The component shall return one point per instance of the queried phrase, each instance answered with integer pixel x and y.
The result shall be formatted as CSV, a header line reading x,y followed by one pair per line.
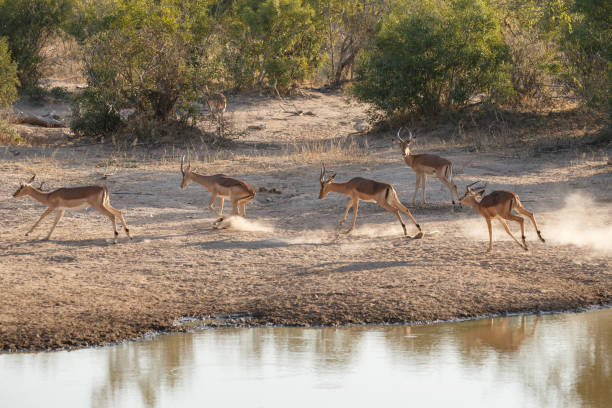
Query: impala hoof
x,y
419,235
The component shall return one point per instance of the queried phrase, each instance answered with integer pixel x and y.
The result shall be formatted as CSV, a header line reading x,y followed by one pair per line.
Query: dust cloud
x,y
238,223
581,222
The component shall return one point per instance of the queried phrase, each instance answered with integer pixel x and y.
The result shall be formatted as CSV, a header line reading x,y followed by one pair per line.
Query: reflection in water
x,y
527,361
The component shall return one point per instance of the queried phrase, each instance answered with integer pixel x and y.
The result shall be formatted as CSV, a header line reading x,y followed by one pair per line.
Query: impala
x,y
499,204
220,186
216,103
366,190
424,164
75,198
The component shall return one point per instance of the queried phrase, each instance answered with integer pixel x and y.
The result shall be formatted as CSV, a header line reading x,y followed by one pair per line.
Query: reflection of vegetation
x,y
147,365
594,378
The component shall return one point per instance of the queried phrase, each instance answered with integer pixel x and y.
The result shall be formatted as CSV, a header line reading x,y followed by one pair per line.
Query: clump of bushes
x,y
8,75
434,60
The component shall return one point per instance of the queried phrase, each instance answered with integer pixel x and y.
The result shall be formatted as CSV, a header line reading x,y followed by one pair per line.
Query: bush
x,y
147,57
28,24
8,76
273,41
434,60
587,44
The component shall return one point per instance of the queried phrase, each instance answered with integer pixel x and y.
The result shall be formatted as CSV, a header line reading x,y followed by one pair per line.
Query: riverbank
x,y
288,263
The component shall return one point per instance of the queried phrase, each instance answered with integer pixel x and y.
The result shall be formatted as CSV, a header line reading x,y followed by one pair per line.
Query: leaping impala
x,y
75,198
499,204
366,190
220,186
424,164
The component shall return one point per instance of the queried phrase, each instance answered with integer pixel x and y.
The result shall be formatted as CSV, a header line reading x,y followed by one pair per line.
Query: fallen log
x,y
23,118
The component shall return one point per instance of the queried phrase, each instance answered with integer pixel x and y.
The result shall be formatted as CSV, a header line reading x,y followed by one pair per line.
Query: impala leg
x,y
449,185
503,223
521,222
104,211
119,214
490,234
355,209
395,211
47,212
59,215
242,205
348,207
406,211
416,188
221,200
529,214
235,207
424,187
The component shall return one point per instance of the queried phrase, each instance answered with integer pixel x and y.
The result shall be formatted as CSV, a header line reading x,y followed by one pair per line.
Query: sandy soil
x,y
288,262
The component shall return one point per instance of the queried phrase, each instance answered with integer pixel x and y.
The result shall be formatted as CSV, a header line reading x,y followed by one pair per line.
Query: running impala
x,y
424,164
366,190
74,198
499,204
223,187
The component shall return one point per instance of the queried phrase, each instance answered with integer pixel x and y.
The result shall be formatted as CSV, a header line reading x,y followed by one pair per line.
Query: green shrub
x,y
8,75
148,57
273,42
28,24
587,45
432,61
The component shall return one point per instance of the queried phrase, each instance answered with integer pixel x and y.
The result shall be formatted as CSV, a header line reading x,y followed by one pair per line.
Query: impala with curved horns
x,y
499,204
74,198
220,186
424,164
366,190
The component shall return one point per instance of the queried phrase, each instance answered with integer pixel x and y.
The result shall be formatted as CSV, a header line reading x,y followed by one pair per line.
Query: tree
x,y
433,60
28,24
8,75
273,42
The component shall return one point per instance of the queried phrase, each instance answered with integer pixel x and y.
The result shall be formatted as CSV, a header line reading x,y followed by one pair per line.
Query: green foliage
x,y
8,75
149,57
587,44
28,24
273,41
434,60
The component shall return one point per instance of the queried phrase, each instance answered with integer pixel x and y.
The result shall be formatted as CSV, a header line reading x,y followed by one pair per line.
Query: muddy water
x,y
522,361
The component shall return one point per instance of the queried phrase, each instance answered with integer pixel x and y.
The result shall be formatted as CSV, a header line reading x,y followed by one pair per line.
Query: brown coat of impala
x,y
366,190
75,198
424,164
223,187
216,103
499,204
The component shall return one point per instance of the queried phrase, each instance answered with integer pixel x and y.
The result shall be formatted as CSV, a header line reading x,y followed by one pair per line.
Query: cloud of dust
x,y
310,237
580,222
238,223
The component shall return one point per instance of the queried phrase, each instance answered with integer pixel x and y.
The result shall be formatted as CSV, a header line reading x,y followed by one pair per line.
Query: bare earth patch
x,y
289,262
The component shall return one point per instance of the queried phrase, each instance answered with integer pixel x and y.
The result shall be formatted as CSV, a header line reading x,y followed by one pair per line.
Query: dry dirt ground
x,y
289,262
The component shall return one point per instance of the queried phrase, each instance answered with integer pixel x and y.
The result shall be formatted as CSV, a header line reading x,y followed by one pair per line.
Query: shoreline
x,y
194,329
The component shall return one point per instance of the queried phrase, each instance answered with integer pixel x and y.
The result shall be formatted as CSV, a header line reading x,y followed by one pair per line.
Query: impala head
x,y
23,187
472,194
404,144
186,172
325,183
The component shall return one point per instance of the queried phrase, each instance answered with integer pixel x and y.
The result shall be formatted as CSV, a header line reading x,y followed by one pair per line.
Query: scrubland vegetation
x,y
411,60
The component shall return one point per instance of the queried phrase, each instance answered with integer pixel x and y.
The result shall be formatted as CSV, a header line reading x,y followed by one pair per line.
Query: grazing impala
x,y
424,164
216,103
75,198
366,190
499,204
237,191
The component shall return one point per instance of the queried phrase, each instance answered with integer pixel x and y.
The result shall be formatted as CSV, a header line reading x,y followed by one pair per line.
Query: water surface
x,y
560,360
